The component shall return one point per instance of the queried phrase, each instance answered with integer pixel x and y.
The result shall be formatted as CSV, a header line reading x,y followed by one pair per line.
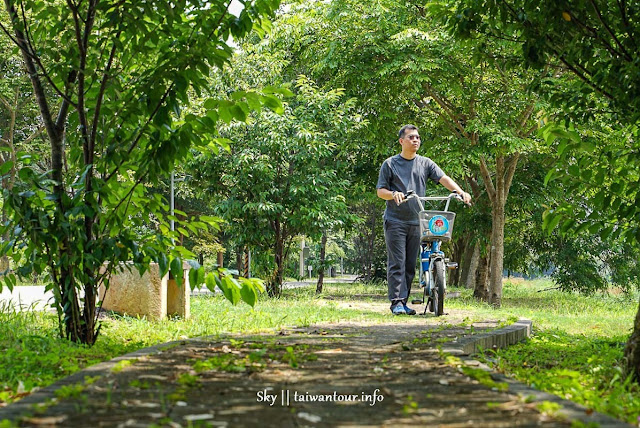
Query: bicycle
x,y
436,227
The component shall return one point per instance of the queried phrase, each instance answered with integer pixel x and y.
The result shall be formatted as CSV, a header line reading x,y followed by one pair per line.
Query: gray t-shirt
x,y
402,175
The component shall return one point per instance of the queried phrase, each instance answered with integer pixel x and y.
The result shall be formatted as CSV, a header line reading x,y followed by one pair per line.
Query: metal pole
x,y
248,263
302,259
172,200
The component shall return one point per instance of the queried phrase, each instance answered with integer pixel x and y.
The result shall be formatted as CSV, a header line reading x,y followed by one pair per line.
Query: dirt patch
x,y
348,374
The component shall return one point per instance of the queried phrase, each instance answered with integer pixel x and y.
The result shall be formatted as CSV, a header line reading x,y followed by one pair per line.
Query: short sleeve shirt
x,y
401,175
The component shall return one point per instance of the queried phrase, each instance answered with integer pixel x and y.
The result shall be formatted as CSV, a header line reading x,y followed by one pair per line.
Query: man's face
x,y
411,141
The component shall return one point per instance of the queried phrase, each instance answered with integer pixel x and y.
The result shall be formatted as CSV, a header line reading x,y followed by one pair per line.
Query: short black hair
x,y
404,129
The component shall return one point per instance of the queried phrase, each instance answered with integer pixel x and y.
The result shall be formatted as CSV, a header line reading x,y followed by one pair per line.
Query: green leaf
x,y
201,276
551,175
162,264
587,146
193,278
238,113
277,90
273,103
248,293
210,281
6,167
176,270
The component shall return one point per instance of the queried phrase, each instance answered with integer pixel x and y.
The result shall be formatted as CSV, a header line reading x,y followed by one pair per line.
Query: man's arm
x,y
447,182
388,195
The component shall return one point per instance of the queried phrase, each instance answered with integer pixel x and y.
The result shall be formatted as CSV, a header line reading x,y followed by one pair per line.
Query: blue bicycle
x,y
436,227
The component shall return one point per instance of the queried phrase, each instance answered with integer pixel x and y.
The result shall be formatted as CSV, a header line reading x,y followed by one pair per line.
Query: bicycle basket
x,y
436,225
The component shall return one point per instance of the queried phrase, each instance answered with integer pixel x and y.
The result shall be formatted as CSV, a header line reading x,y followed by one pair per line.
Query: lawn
x,y
575,352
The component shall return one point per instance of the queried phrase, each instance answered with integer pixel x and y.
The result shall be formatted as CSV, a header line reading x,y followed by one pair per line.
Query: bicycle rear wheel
x,y
438,291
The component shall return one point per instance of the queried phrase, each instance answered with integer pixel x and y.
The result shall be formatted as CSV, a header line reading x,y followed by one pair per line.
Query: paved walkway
x,y
26,297
351,374
34,296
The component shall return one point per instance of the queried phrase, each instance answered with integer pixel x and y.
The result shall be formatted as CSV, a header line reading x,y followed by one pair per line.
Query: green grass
x,y
577,347
575,351
33,356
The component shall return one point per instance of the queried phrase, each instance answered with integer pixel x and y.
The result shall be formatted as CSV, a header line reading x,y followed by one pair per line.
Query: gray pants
x,y
403,246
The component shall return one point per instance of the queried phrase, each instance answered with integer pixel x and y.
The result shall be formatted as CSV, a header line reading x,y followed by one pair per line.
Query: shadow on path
x,y
326,375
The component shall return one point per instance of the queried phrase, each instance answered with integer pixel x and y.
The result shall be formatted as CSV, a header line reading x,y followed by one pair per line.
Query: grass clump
x,y
577,346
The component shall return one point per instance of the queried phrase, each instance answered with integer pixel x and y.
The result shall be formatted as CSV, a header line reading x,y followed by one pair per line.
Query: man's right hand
x,y
398,197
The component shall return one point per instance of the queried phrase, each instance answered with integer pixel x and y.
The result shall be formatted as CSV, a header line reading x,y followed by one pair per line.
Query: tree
x,y
110,81
281,178
476,118
599,51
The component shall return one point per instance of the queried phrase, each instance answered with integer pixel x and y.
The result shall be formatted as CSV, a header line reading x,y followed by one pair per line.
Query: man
x,y
399,174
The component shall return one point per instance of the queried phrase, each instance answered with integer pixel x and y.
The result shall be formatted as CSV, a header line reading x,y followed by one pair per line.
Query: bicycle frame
x,y
430,251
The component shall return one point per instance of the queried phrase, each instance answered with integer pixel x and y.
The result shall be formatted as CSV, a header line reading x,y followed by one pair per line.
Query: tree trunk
x,y
465,262
372,239
239,252
498,194
632,351
470,277
459,249
497,255
323,251
220,259
481,290
274,284
4,260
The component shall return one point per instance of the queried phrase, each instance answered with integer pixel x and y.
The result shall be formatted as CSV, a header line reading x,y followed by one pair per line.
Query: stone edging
x,y
510,335
500,338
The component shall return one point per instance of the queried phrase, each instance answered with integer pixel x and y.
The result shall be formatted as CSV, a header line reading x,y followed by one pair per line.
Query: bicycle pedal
x,y
417,302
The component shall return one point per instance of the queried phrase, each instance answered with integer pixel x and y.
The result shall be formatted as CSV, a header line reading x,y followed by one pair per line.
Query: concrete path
x,y
332,375
26,297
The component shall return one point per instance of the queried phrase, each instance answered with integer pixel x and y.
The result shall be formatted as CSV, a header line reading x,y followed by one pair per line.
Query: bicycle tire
x,y
438,291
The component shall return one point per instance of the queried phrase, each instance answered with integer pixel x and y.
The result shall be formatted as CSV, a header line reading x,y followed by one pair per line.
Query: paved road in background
x,y
25,297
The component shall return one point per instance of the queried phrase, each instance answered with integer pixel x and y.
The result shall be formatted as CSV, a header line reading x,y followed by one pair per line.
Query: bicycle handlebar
x,y
411,195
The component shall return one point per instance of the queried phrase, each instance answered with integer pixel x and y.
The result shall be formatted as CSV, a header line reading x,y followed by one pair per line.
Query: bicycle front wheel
x,y
438,292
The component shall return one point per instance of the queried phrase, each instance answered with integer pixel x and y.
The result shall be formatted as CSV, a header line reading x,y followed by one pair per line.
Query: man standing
x,y
399,174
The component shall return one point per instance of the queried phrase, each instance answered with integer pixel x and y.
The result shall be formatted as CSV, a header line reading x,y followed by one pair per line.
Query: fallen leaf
x,y
47,420
153,377
199,417
329,351
309,417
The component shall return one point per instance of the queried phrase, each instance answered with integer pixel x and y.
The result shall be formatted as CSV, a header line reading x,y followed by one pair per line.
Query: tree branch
x,y
613,36
124,198
38,89
500,179
511,170
33,136
32,52
443,103
625,21
141,132
581,76
103,86
486,177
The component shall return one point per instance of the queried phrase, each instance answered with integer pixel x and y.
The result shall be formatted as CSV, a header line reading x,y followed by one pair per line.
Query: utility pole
x,y
302,259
